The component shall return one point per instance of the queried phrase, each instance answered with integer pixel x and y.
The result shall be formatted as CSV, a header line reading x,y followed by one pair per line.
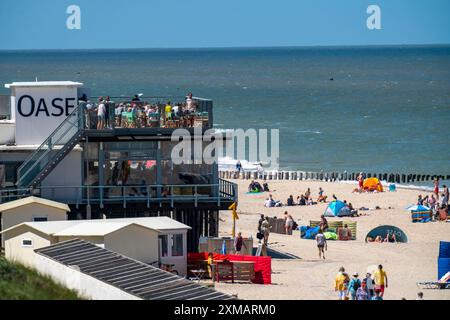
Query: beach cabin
x,y
31,209
150,240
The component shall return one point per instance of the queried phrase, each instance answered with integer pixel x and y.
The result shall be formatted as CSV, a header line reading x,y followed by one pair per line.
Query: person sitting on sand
x,y
307,193
345,233
323,223
310,201
272,203
390,238
290,201
301,201
255,186
266,187
353,211
321,197
378,239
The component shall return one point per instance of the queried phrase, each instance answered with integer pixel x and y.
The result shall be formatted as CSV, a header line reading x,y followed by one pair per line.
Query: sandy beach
x,y
311,278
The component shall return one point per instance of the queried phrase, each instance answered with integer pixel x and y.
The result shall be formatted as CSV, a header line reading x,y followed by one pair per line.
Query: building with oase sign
x,y
109,158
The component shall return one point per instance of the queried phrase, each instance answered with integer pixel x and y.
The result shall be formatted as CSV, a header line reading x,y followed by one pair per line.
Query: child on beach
x,y
321,244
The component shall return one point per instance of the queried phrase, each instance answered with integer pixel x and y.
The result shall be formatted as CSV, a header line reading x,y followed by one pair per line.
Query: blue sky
x,y
32,24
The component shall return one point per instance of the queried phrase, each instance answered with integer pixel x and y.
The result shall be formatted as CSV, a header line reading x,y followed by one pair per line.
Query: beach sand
x,y
312,278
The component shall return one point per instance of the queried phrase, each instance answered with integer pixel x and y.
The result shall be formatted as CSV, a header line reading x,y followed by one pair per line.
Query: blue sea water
x,y
387,109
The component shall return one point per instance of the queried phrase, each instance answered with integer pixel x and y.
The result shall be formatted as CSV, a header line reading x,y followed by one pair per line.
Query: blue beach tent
x,y
418,208
337,209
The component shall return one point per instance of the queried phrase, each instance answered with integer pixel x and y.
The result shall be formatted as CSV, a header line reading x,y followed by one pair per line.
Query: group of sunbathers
x,y
255,186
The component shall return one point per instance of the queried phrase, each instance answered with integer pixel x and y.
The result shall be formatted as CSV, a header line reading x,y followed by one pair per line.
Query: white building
x,y
150,240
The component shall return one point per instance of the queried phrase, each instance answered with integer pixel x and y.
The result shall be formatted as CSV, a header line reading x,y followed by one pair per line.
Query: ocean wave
x,y
308,131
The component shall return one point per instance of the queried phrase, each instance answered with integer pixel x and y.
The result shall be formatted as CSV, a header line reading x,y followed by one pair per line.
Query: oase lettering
x,y
59,106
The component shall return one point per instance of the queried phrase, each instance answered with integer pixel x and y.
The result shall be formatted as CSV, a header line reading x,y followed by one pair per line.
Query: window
x,y
163,247
39,219
177,245
27,243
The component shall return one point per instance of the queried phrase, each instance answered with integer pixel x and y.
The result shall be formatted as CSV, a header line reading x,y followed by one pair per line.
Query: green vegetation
x,y
18,282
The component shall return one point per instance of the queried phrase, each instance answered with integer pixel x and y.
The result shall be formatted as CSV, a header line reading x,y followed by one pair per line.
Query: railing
x,y
37,161
149,113
215,193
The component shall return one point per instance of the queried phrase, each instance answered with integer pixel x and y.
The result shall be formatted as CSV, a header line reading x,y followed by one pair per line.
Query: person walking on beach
x,y
239,243
340,283
377,295
381,280
239,167
353,286
289,223
436,188
360,179
265,229
361,293
321,244
370,285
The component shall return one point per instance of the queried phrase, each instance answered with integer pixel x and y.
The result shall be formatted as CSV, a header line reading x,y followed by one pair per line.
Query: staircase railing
x,y
40,158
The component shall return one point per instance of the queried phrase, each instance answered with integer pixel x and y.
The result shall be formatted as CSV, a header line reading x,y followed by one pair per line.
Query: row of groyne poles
x,y
328,176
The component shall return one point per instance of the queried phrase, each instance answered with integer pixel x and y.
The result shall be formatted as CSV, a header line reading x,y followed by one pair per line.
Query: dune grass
x,y
18,282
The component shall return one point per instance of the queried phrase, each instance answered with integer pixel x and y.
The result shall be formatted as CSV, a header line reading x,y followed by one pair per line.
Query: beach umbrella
x,y
417,208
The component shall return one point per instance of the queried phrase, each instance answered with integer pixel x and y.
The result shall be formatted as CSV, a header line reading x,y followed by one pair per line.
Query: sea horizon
x,y
338,108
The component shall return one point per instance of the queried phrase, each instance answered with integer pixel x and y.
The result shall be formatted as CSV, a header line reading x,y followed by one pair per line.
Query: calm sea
x,y
387,109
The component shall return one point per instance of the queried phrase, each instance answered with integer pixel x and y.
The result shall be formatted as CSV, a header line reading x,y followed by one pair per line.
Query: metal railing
x,y
157,193
149,113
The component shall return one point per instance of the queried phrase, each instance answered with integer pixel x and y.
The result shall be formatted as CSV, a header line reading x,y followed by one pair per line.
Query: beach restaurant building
x,y
52,145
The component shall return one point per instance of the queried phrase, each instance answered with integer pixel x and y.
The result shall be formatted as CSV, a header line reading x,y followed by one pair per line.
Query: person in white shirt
x,y
101,114
190,107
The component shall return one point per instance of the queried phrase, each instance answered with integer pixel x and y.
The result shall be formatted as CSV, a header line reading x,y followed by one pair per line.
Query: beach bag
x,y
294,225
259,236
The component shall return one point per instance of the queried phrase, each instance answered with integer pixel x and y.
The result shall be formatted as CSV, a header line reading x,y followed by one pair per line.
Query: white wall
x,y
135,242
34,129
66,173
7,131
84,284
26,213
14,251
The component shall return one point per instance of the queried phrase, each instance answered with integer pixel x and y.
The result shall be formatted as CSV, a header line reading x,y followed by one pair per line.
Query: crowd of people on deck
x,y
137,113
371,287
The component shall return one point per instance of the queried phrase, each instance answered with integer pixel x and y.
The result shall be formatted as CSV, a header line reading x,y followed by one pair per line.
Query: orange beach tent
x,y
372,184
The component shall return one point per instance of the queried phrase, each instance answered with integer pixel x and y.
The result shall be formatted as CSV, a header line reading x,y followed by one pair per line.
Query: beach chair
x,y
442,283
